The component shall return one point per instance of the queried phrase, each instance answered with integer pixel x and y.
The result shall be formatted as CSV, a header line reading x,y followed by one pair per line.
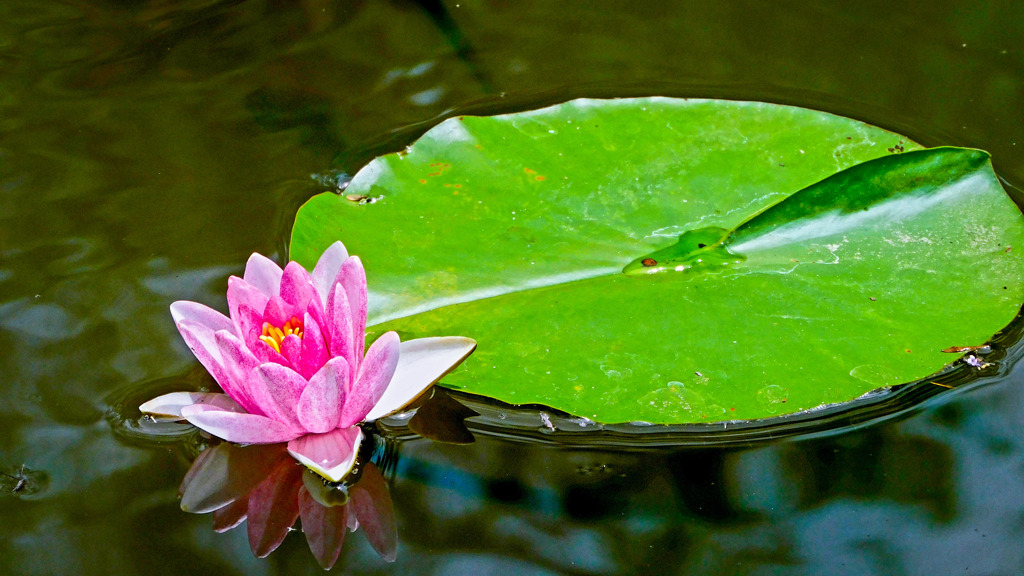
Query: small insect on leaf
x,y
648,262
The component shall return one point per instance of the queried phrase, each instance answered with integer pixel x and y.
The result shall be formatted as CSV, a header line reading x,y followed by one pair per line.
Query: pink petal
x,y
273,509
327,268
291,349
200,340
314,349
266,354
315,310
276,390
319,407
263,274
235,427
195,312
330,455
277,311
324,527
238,366
339,315
421,363
205,345
250,325
296,286
374,376
371,503
242,294
353,278
170,405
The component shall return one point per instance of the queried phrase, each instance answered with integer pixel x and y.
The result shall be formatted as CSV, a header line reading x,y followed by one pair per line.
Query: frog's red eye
x,y
649,262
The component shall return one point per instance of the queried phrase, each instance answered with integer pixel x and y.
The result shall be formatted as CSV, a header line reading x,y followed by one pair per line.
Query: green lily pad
x,y
800,259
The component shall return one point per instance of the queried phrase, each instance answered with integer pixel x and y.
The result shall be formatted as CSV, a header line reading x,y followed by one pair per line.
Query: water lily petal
x,y
277,311
273,509
374,375
314,349
371,504
201,314
297,286
318,304
236,427
250,325
422,362
319,407
168,406
264,274
327,268
276,390
238,364
353,278
330,455
266,354
199,339
241,293
203,343
291,349
339,315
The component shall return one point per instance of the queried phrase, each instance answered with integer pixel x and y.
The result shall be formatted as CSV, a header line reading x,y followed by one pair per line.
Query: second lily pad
x,y
516,230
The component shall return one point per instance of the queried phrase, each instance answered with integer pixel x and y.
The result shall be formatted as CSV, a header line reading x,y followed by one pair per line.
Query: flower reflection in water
x,y
268,490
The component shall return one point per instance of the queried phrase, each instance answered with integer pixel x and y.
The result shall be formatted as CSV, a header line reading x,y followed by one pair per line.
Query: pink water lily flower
x,y
291,361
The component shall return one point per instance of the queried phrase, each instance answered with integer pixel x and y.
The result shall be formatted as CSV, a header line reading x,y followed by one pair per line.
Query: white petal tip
x,y
336,473
186,310
336,250
421,362
168,406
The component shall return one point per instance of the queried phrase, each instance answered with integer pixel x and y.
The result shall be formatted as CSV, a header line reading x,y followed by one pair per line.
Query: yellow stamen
x,y
273,335
273,343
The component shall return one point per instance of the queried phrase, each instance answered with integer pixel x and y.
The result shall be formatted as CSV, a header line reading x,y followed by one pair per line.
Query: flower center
x,y
273,335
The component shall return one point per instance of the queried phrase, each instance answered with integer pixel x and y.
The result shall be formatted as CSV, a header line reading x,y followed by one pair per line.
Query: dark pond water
x,y
147,148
